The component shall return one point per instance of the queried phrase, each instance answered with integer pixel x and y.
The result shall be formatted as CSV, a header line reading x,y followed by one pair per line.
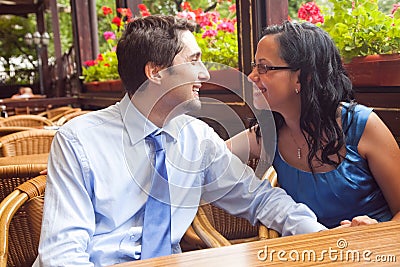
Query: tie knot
x,y
156,138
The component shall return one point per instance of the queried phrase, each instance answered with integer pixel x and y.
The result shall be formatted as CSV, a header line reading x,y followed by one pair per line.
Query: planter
x,y
106,86
375,70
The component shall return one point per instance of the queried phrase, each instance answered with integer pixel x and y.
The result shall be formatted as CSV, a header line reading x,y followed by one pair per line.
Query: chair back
x,y
217,228
27,142
51,112
56,113
64,119
26,121
6,130
20,223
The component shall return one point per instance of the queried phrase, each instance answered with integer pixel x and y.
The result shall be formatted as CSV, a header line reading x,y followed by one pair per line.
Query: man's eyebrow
x,y
195,55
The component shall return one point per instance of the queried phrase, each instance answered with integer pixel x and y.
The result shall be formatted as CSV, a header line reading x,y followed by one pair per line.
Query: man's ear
x,y
152,72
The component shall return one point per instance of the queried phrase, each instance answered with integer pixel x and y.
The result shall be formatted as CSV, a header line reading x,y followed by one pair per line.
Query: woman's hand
x,y
356,221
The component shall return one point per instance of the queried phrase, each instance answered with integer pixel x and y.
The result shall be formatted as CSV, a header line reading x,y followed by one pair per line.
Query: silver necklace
x,y
299,148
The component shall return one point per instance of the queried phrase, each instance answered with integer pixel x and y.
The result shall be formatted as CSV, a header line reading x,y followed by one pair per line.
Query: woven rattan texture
x,y
26,121
27,143
22,247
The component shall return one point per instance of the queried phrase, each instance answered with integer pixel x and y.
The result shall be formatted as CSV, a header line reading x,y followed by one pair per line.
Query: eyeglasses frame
x,y
267,68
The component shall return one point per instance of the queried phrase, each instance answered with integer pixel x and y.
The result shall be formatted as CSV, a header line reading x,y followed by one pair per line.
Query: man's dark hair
x,y
153,39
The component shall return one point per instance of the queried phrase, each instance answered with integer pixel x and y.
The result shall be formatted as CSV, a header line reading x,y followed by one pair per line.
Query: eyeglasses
x,y
262,68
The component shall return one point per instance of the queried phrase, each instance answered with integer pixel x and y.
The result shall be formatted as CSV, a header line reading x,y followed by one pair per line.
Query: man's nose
x,y
204,75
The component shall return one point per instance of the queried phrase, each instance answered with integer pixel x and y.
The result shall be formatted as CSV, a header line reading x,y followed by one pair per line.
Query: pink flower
x,y
232,8
209,33
186,15
226,26
207,19
310,12
395,8
109,35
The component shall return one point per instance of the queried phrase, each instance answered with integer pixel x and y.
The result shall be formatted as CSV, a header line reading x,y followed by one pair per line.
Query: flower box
x,y
374,70
106,86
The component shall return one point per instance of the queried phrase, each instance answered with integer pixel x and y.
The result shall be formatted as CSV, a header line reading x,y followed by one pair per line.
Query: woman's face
x,y
275,89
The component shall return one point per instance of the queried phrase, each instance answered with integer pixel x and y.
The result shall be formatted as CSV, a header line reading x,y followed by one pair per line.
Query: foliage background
x,y
15,54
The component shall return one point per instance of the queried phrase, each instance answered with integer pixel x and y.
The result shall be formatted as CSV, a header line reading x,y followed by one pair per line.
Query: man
x,y
23,92
101,164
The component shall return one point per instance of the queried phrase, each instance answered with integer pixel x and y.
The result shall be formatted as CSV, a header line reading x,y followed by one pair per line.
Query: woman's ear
x,y
152,72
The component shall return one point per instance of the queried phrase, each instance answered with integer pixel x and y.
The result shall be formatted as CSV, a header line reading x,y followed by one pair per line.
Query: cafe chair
x,y
25,159
217,228
64,119
20,223
34,121
56,113
6,130
26,142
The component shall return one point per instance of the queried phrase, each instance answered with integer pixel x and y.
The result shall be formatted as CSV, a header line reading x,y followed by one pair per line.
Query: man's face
x,y
182,81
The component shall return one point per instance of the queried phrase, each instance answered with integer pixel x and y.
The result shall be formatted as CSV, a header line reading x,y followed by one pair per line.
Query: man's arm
x,y
68,217
232,186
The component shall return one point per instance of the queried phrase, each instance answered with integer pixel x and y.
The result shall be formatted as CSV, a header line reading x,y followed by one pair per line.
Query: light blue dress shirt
x,y
99,171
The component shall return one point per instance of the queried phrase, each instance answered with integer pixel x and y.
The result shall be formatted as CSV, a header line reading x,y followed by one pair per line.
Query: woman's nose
x,y
253,76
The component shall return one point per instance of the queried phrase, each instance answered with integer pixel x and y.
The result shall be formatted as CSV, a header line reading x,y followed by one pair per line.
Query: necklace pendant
x,y
299,153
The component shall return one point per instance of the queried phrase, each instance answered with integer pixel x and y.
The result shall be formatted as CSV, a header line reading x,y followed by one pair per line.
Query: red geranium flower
x,y
310,12
117,21
106,10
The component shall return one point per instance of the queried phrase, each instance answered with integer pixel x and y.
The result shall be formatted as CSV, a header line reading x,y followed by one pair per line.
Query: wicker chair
x,y
27,142
6,130
213,227
56,113
70,116
20,223
24,159
26,121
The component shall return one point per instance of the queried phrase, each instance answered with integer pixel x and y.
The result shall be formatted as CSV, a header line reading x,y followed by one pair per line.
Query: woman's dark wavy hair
x,y
324,84
153,39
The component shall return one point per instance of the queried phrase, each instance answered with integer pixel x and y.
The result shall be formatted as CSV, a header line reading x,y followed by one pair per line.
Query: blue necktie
x,y
156,235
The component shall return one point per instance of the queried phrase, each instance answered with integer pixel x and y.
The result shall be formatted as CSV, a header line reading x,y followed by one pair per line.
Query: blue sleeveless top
x,y
348,191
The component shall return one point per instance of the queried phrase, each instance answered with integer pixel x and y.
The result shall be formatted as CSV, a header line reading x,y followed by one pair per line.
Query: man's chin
x,y
193,105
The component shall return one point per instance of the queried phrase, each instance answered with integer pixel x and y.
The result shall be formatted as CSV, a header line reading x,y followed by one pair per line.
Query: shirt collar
x,y
138,126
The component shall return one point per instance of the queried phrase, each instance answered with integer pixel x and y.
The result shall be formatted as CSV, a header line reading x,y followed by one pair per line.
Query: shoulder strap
x,y
354,119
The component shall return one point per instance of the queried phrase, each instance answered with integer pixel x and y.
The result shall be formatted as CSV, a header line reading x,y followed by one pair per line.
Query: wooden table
x,y
24,159
372,245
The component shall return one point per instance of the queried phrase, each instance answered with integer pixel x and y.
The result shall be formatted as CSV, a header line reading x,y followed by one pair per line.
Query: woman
x,y
332,154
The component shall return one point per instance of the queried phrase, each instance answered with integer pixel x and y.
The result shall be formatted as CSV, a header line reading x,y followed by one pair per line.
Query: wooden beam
x,y
39,102
42,53
244,11
276,11
59,79
94,27
82,32
17,10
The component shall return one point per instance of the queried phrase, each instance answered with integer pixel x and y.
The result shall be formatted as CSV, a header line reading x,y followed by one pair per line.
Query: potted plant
x,y
368,39
216,35
101,74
